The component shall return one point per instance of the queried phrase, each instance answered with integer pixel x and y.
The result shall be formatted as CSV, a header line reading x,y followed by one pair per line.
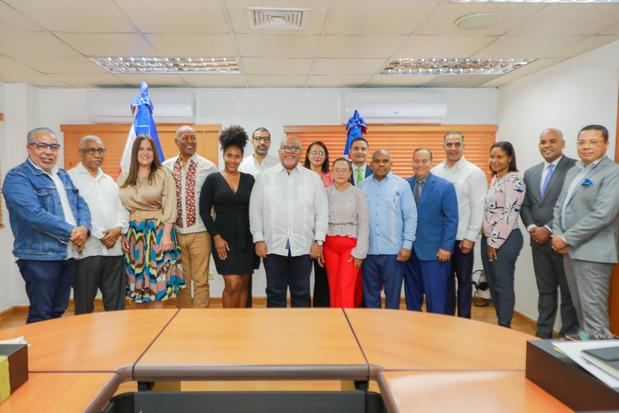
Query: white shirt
x,y
106,210
64,204
250,165
471,186
204,169
354,173
288,208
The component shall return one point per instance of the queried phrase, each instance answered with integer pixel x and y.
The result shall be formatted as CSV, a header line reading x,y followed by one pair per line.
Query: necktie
x,y
418,190
550,168
359,176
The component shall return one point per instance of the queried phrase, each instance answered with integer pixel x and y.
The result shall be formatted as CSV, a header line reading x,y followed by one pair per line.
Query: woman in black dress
x,y
227,193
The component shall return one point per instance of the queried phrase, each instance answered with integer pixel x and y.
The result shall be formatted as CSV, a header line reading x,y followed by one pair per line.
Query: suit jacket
x,y
437,217
592,214
368,172
538,210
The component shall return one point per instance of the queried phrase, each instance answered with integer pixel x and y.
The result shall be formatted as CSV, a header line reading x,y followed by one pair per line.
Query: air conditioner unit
x,y
396,107
114,105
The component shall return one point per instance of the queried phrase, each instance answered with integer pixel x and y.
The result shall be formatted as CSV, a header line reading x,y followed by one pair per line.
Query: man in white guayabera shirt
x,y
288,213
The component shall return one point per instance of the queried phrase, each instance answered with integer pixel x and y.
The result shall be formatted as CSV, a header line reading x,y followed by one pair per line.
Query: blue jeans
x,y
48,285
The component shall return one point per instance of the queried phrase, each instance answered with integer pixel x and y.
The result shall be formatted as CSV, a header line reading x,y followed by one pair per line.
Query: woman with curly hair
x,y
502,240
227,194
152,256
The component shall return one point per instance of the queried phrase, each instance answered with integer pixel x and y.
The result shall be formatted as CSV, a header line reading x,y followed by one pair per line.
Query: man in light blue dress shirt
x,y
393,222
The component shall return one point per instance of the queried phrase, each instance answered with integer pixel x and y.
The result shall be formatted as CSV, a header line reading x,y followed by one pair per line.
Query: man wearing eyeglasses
x,y
50,222
100,265
288,214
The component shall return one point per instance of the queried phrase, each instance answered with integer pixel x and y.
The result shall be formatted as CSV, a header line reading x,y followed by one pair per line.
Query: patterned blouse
x,y
502,208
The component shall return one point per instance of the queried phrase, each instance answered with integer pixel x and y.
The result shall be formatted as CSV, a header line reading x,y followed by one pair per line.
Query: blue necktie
x,y
550,168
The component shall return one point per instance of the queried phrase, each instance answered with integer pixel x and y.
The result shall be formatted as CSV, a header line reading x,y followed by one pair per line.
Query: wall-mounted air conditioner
x,y
396,107
113,105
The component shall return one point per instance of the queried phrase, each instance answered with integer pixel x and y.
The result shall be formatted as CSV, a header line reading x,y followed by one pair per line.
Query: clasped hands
x,y
78,237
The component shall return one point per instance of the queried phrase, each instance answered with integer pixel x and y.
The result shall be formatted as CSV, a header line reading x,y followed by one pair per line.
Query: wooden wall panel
x,y
402,140
115,136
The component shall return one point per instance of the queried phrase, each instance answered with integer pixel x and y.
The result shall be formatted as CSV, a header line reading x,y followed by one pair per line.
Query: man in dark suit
x,y
358,155
586,230
429,269
544,182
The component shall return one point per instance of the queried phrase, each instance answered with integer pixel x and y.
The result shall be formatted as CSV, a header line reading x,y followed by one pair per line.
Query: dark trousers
x,y
429,278
321,287
385,271
285,273
48,286
500,275
462,273
550,277
99,273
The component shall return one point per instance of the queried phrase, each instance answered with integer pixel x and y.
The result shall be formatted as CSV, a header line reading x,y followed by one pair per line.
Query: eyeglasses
x,y
290,148
264,139
317,153
41,146
92,151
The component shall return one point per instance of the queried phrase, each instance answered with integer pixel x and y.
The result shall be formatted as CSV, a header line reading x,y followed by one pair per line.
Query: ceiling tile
x,y
399,80
275,81
10,70
277,46
442,20
526,46
355,17
347,66
215,80
614,29
109,44
95,16
574,19
338,81
13,21
459,81
584,45
80,80
442,46
536,66
178,16
39,44
152,79
190,45
256,66
360,46
65,65
314,15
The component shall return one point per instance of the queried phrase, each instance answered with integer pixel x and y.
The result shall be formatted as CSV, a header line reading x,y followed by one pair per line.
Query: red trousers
x,y
341,272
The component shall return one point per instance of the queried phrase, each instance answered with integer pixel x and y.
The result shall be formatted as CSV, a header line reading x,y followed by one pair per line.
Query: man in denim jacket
x,y
50,223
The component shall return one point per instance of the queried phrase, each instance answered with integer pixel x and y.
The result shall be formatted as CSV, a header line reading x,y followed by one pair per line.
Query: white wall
x,y
568,96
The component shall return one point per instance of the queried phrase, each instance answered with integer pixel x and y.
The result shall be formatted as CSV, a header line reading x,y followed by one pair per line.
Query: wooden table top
x,y
467,392
255,337
62,392
91,342
408,340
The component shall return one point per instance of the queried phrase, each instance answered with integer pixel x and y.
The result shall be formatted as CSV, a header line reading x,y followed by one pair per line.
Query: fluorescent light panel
x,y
169,65
452,66
535,1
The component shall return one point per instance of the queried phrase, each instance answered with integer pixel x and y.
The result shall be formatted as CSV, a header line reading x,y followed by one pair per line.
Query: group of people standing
x,y
359,227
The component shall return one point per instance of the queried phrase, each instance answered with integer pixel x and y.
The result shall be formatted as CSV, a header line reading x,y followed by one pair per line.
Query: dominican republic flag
x,y
143,124
355,128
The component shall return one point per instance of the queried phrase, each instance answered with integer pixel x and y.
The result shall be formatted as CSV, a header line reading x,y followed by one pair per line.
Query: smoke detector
x,y
267,18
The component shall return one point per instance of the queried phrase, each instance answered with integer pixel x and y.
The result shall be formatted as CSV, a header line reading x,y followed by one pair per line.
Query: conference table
x,y
421,362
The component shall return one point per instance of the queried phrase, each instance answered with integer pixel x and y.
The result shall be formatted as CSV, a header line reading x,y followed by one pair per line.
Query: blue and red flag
x,y
355,128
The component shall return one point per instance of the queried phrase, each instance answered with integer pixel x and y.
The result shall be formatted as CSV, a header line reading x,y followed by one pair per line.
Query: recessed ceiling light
x,y
477,21
535,1
453,66
168,65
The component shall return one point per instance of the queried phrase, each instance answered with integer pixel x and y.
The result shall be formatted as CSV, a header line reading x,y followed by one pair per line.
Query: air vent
x,y
264,18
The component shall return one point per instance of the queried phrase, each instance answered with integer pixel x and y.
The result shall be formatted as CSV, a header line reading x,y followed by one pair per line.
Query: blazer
x,y
590,224
368,172
437,217
538,210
